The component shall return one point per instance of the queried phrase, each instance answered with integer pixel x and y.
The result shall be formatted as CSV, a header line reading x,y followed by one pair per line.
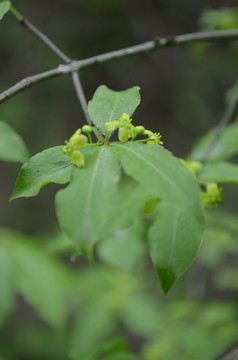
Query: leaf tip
x,y
167,278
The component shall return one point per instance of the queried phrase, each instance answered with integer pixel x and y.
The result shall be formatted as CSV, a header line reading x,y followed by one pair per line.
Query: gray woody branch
x,y
55,49
157,43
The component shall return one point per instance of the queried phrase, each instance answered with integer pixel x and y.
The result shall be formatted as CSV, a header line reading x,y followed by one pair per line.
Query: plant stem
x,y
90,138
158,43
16,13
93,144
141,141
98,134
55,49
80,95
27,24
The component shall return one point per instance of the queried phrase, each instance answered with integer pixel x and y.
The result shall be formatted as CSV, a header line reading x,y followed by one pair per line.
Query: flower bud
x,y
154,139
212,196
87,129
193,166
139,129
77,141
77,158
125,117
112,125
124,134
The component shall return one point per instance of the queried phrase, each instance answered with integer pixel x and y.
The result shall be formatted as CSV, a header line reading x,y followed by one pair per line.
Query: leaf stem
x,y
142,140
98,134
93,144
16,13
90,138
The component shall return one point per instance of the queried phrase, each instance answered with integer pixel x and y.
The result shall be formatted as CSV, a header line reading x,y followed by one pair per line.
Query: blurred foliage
x,y
82,308
52,304
224,18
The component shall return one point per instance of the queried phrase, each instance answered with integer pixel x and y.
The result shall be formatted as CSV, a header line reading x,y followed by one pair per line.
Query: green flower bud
x,y
155,140
77,141
139,129
65,150
124,134
193,166
87,129
112,125
132,131
77,158
212,196
196,165
125,117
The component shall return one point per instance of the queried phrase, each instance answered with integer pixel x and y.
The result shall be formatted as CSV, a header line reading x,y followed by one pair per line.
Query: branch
x,y
158,43
80,95
27,24
28,82
231,353
33,80
228,115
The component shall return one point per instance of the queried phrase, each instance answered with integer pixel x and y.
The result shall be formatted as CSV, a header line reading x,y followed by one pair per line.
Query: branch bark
x,y
80,95
40,35
35,79
157,43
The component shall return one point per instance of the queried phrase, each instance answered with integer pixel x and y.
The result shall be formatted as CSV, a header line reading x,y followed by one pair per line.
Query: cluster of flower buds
x,y
75,144
126,130
212,196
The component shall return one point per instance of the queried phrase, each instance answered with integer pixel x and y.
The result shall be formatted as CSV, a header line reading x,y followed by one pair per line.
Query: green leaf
x,y
40,280
108,105
48,166
4,8
156,169
222,172
84,206
127,205
12,147
225,148
123,248
7,286
174,240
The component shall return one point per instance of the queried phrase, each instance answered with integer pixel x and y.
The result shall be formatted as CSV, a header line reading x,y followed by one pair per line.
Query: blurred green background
x,y
53,306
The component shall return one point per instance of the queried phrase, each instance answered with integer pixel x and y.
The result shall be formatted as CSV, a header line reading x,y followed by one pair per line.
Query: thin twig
x,y
28,82
33,80
158,43
32,28
228,115
25,22
80,95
